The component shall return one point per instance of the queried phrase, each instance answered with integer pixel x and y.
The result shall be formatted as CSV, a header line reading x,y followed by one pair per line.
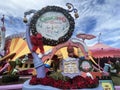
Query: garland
x,y
77,82
48,41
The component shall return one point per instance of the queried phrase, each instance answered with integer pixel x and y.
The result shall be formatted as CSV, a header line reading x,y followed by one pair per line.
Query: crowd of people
x,y
109,64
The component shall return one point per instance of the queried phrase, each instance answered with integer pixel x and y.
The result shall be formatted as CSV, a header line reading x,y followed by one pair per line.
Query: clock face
x,y
54,23
85,65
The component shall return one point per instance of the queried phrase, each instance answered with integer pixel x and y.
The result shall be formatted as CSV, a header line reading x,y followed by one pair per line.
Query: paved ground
x,y
29,76
11,87
14,86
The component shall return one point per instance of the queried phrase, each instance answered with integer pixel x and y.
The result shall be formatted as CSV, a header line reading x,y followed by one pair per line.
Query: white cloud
x,y
18,7
107,14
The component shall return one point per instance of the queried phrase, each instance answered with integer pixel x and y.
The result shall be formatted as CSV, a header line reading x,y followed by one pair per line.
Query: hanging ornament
x,y
25,19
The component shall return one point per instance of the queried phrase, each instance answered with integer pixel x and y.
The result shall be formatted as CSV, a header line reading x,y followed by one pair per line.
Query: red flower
x,y
81,84
88,78
92,82
46,81
66,85
73,86
78,79
96,81
33,81
57,83
75,83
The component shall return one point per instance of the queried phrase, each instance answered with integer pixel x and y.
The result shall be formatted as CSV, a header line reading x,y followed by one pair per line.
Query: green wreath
x,y
61,39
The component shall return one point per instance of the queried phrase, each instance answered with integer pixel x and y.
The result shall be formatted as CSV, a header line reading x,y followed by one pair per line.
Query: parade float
x,y
54,26
68,64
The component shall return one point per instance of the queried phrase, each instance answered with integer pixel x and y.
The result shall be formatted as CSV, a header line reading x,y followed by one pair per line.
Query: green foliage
x,y
10,78
117,66
12,63
18,61
58,76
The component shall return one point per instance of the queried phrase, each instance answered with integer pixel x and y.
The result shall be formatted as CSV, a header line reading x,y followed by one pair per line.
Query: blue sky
x,y
95,16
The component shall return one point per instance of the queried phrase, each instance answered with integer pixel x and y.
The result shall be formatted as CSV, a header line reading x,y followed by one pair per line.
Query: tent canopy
x,y
103,50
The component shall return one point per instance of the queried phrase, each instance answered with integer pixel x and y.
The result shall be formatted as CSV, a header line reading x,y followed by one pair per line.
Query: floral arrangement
x,y
77,82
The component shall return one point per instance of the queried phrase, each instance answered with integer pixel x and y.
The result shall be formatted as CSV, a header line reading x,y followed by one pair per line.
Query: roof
x,y
100,46
103,50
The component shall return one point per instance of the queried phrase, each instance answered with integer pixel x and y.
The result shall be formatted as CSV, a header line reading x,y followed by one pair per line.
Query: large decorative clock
x,y
85,65
54,23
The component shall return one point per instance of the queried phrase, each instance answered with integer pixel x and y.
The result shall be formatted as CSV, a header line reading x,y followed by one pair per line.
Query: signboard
x,y
70,67
107,84
52,25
